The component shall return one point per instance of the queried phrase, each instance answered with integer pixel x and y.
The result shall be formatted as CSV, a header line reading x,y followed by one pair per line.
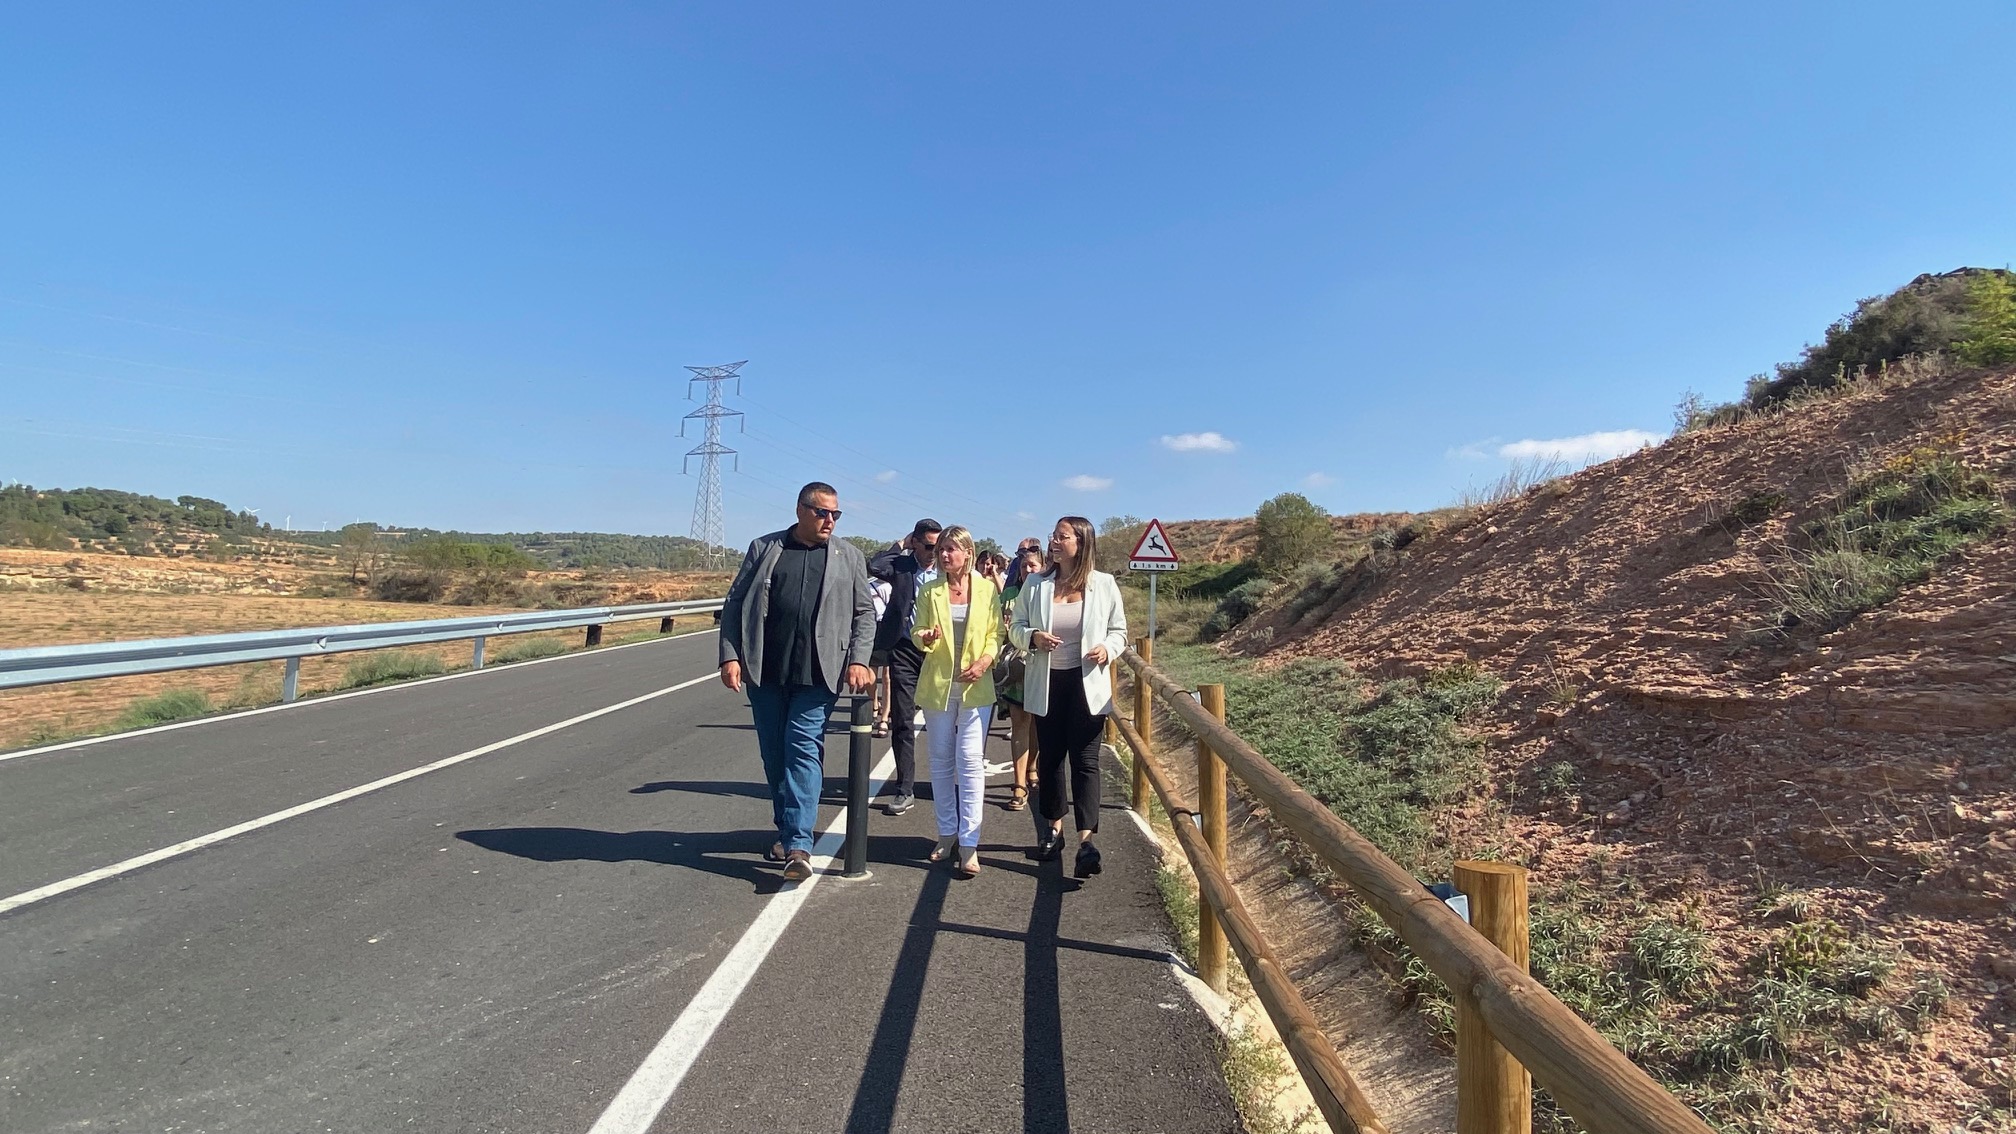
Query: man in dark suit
x,y
905,567
797,627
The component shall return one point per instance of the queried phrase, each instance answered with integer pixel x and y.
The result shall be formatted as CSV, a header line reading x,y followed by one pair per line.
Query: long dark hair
x,y
1084,561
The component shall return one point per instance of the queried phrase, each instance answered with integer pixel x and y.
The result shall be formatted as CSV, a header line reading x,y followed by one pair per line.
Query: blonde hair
x,y
961,538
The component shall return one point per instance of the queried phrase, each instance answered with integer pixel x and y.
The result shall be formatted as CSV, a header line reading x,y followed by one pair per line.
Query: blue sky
x,y
443,265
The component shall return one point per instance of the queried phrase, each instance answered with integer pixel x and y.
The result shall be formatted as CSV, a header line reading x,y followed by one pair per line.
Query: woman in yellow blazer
x,y
958,626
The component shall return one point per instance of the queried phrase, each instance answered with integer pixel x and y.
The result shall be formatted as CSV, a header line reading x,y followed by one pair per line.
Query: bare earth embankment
x,y
1667,732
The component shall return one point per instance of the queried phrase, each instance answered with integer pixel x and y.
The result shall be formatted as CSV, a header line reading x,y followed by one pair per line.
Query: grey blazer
x,y
843,631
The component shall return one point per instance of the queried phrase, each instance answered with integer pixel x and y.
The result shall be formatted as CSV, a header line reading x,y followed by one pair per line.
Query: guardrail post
x,y
1211,956
476,658
860,753
1144,722
290,685
665,625
595,635
1494,1092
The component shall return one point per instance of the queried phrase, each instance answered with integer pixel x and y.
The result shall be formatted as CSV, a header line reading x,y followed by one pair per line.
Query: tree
x,y
1991,323
1117,537
358,550
1293,531
869,545
985,544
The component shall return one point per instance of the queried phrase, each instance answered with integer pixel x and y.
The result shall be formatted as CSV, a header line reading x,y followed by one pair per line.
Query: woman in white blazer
x,y
1071,621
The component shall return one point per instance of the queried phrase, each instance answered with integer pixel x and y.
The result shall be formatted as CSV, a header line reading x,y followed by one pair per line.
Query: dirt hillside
x,y
1869,768
1224,541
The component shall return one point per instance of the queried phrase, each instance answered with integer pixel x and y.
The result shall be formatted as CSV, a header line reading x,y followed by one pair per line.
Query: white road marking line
x,y
637,1105
151,857
329,698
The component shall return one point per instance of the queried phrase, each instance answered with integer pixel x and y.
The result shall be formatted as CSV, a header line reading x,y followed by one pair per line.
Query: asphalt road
x,y
499,944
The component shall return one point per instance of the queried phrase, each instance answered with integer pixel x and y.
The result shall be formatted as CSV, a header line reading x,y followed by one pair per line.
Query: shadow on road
x,y
731,854
706,787
1045,1105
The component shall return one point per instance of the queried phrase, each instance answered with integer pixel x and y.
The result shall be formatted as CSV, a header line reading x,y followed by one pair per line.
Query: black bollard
x,y
860,755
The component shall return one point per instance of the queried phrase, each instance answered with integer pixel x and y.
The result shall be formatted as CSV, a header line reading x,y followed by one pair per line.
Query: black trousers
x,y
1070,732
906,661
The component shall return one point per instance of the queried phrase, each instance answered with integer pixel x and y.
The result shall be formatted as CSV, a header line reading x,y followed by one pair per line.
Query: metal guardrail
x,y
49,665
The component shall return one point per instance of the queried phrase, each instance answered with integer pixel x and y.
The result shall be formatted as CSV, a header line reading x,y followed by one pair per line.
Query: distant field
x,y
39,608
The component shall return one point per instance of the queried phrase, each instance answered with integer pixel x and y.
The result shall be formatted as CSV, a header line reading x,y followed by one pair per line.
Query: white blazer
x,y
1105,625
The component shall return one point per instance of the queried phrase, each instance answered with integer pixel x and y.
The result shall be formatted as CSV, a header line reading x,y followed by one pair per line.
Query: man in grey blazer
x,y
798,626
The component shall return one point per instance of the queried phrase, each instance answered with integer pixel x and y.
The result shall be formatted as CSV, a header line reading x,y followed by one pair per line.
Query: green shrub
x,y
1887,532
1208,580
1970,312
1991,322
161,708
1292,531
1237,606
384,666
1669,960
1383,764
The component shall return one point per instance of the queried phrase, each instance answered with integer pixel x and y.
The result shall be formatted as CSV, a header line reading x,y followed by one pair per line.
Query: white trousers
x,y
958,742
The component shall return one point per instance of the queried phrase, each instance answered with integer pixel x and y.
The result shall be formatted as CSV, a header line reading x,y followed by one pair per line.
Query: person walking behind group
x,y
959,629
1072,622
905,567
1028,563
798,625
878,661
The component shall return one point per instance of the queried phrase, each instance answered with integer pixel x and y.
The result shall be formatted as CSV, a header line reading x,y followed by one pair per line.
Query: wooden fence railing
x,y
1507,1024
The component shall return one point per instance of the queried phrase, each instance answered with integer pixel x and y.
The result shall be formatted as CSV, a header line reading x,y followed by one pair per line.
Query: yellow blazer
x,y
983,640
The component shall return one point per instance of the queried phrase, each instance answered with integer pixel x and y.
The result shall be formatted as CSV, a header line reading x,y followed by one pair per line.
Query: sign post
x,y
1153,553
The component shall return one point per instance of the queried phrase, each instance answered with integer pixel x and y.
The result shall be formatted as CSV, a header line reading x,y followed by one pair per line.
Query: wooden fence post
x,y
1211,956
1494,1092
1144,723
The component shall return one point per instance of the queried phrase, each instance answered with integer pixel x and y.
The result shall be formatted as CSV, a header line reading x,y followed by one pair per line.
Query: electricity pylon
x,y
707,521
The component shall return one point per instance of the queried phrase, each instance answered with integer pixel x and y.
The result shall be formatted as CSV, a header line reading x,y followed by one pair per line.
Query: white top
x,y
880,590
1067,621
959,614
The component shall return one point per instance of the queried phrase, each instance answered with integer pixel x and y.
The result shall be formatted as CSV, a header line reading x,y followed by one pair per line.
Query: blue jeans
x,y
791,734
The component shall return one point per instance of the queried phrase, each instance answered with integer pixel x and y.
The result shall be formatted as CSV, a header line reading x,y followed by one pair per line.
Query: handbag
x,y
1009,670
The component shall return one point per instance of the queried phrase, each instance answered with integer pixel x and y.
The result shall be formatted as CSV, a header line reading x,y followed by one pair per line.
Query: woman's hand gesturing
x,y
1044,640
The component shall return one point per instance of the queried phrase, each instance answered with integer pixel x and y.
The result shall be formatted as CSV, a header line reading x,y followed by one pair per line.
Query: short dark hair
x,y
816,488
927,526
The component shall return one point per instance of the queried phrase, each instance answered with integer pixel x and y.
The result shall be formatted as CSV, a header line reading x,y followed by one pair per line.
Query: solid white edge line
x,y
651,1086
330,698
30,897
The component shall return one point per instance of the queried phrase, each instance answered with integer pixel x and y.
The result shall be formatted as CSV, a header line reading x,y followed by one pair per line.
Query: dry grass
x,y
49,713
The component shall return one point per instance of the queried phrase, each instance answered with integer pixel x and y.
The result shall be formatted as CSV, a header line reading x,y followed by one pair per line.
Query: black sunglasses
x,y
832,514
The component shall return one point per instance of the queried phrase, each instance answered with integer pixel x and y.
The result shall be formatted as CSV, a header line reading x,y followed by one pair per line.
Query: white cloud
x,y
1318,480
1474,451
1587,448
1083,483
885,476
1199,443
1025,515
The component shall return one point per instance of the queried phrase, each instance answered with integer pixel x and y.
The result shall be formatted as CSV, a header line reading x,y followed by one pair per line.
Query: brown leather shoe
x,y
775,853
799,867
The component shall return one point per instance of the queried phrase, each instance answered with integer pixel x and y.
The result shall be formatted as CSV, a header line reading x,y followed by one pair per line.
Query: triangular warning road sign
x,y
1154,545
